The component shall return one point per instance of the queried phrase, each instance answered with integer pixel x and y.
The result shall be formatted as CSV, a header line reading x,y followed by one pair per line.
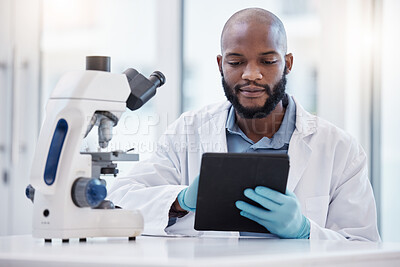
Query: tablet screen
x,y
224,177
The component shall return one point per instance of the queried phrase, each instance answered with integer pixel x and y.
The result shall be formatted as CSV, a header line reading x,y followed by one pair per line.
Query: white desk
x,y
184,251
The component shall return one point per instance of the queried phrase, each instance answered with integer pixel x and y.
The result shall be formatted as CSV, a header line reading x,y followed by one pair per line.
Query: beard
x,y
274,97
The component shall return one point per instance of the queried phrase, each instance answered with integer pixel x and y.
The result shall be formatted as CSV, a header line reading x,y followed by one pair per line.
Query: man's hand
x,y
187,198
282,215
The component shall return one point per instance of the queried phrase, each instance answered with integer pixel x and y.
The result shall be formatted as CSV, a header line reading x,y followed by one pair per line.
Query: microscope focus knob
x,y
30,192
88,192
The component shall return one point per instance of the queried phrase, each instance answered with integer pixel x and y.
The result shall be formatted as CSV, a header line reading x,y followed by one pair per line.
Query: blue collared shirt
x,y
238,142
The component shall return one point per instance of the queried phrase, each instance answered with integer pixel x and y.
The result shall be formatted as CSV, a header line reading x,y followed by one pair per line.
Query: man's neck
x,y
256,129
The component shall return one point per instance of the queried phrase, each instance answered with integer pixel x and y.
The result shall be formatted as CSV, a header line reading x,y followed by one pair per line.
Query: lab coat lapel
x,y
299,150
213,133
299,154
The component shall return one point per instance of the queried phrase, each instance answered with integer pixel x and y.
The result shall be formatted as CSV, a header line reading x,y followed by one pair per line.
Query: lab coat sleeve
x,y
352,210
152,186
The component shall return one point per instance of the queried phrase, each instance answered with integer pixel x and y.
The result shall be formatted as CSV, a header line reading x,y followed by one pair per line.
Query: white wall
x,y
390,122
20,38
5,109
344,85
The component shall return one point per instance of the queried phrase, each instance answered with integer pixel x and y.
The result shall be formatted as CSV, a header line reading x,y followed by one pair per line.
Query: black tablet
x,y
224,177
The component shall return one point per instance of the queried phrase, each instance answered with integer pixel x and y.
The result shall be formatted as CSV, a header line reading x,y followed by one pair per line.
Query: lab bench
x,y
24,250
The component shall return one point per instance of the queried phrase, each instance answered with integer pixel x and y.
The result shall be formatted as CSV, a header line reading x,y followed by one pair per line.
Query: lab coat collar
x,y
306,123
213,138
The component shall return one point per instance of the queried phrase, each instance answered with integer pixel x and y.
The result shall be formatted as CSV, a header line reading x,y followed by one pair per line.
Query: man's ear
x,y
289,62
219,61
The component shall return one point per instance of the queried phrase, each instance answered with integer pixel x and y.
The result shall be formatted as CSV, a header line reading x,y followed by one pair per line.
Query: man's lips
x,y
252,91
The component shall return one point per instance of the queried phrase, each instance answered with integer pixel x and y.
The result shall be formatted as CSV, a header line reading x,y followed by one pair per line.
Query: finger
x,y
265,202
256,211
271,194
253,218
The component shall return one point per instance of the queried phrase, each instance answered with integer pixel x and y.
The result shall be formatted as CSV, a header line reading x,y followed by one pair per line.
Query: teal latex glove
x,y
282,214
187,198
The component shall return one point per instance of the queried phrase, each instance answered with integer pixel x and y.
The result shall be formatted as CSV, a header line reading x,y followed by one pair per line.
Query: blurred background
x,y
345,70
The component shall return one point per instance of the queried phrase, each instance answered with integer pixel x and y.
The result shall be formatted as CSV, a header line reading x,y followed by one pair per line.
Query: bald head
x,y
266,20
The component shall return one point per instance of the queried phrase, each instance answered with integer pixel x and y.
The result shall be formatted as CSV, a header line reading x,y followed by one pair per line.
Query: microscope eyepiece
x,y
158,75
98,63
142,89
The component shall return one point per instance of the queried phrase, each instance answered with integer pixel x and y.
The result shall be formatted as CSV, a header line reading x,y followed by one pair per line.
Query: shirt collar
x,y
231,125
281,137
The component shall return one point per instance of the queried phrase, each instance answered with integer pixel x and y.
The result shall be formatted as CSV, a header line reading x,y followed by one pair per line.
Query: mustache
x,y
267,88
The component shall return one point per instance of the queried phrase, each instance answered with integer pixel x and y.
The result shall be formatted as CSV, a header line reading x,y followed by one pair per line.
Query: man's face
x,y
275,95
253,68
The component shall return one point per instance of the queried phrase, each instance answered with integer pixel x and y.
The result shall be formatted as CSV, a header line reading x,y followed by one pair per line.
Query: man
x,y
328,194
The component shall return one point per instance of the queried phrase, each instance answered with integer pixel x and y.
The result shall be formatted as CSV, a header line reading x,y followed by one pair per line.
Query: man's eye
x,y
269,62
234,63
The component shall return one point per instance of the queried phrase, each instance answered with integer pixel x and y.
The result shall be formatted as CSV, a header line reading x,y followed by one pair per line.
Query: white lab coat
x,y
328,173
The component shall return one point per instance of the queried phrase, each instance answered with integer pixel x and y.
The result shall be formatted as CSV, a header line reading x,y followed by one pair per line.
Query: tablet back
x,y
223,178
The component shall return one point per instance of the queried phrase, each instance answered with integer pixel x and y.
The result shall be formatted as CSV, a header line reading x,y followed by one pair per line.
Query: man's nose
x,y
252,72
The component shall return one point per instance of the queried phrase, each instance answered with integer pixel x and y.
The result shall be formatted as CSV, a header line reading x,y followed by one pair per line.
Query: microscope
x,y
68,195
